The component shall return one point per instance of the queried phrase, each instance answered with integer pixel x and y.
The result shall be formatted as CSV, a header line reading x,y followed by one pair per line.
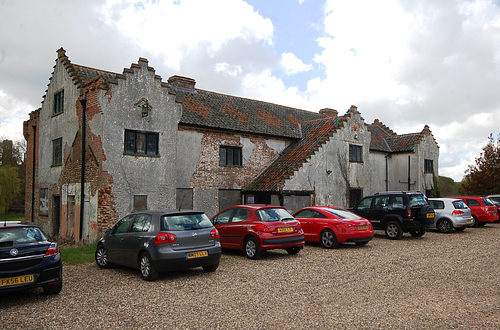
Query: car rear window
x,y
21,235
342,214
487,202
459,205
269,215
186,221
417,200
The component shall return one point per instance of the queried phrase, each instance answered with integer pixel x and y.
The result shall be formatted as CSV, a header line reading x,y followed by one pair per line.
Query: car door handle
x,y
241,227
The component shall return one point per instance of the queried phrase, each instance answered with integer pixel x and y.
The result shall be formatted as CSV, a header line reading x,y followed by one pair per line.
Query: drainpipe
x,y
33,176
84,142
386,173
409,188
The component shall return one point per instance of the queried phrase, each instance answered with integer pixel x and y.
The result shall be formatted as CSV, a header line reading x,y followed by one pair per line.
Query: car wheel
x,y
418,232
361,243
101,257
211,268
393,230
444,226
252,249
460,228
328,239
476,222
148,272
293,250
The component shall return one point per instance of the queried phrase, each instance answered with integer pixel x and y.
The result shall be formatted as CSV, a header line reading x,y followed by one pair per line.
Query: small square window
x,y
230,156
355,153
59,102
57,152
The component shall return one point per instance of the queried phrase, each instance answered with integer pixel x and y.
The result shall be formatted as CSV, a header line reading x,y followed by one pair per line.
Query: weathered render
x,y
104,144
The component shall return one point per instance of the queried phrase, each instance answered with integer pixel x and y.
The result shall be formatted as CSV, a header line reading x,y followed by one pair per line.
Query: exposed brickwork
x,y
29,128
293,120
266,117
238,115
197,107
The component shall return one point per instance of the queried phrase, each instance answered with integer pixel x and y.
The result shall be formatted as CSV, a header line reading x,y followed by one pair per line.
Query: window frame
x,y
226,152
428,166
58,106
57,152
144,143
355,153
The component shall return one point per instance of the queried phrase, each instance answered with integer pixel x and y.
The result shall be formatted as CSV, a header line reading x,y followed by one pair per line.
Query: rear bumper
x,y
282,243
175,260
47,273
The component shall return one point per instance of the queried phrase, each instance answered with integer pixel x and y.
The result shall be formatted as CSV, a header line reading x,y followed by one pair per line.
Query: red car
x,y
255,228
483,210
332,226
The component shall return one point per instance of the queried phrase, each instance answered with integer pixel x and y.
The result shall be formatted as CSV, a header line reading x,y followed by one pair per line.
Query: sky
x,y
408,63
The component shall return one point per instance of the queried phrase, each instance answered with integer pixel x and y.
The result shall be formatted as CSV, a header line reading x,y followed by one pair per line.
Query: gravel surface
x,y
436,281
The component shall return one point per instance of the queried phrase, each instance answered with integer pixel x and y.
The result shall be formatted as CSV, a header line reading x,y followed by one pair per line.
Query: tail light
x,y
457,212
162,238
214,233
53,249
408,214
261,227
299,227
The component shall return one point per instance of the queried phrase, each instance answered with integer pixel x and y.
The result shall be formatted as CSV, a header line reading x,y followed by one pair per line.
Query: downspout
x,y
386,173
409,188
84,142
33,176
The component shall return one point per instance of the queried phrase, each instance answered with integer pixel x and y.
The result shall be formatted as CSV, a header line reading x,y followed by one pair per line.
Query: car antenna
x,y
180,206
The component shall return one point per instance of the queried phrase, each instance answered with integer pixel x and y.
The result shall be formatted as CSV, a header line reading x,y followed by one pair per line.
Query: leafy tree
x,y
448,187
483,178
10,186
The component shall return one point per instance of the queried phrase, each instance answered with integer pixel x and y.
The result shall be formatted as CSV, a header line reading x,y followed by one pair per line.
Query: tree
x,y
483,178
10,186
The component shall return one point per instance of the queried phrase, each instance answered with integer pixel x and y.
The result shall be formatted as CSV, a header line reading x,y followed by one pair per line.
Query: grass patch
x,y
78,255
9,217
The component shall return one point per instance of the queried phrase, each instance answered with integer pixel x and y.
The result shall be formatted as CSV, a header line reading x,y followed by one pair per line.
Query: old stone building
x,y
105,144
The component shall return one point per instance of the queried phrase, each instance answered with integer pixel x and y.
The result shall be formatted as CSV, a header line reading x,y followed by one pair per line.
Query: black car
x,y
160,241
28,259
397,212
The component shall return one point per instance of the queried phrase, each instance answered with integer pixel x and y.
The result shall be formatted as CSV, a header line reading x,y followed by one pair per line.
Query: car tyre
x,y
148,271
211,268
252,249
328,239
394,230
444,226
293,250
101,257
418,232
476,221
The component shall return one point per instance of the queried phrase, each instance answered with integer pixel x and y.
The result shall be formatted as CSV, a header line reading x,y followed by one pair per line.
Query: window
x,y
437,205
365,204
57,152
140,202
141,223
123,224
230,156
141,143
59,102
428,166
355,153
355,195
240,215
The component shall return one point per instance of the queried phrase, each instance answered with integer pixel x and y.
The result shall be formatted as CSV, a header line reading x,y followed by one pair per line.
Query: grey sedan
x,y
451,213
160,241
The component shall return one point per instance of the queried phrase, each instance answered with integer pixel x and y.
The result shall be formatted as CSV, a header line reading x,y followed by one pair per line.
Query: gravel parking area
x,y
437,281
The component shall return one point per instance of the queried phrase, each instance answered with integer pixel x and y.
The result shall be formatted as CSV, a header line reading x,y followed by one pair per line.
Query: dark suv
x,y
397,212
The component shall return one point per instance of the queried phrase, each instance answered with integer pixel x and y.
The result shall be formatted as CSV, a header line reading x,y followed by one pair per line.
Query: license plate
x,y
197,254
364,227
469,220
430,215
285,230
17,280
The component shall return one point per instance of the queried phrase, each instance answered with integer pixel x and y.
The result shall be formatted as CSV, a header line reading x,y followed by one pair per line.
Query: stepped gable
x,y
315,134
206,109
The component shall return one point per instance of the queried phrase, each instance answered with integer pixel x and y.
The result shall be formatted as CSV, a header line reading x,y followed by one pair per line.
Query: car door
x,y
114,242
237,227
364,209
310,222
136,237
221,223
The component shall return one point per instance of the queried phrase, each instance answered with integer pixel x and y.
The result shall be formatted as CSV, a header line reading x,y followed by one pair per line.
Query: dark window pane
x,y
230,156
129,142
152,144
57,152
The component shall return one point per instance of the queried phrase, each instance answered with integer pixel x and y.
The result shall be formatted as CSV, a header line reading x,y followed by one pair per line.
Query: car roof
x,y
256,206
444,199
166,212
10,224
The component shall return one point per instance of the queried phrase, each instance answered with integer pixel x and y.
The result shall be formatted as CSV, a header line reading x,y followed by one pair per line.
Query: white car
x,y
451,213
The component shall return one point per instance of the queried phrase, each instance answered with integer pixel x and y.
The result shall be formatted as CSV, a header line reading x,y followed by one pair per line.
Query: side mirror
x,y
108,231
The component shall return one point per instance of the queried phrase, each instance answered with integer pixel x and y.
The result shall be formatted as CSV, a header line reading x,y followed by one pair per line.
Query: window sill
x,y
56,165
240,166
140,155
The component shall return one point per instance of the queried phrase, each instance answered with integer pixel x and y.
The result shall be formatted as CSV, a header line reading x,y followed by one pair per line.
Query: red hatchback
x,y
332,226
483,210
255,228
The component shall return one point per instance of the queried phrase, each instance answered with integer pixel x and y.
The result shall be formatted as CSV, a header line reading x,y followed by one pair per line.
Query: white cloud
x,y
12,114
292,64
231,70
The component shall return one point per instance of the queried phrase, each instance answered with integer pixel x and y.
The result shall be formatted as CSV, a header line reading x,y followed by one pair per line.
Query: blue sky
x,y
408,63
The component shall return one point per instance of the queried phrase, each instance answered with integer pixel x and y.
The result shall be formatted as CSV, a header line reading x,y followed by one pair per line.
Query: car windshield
x,y
487,202
186,221
268,215
342,213
417,200
21,235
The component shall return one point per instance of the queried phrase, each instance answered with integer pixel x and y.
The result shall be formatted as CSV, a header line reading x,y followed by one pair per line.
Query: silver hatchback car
x,y
450,213
160,241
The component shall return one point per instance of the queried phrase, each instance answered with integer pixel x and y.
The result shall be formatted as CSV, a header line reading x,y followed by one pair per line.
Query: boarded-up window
x,y
229,197
44,202
184,198
140,202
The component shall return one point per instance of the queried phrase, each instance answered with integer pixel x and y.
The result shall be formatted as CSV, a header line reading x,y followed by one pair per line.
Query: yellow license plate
x,y
285,230
365,227
17,280
430,215
197,254
469,220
